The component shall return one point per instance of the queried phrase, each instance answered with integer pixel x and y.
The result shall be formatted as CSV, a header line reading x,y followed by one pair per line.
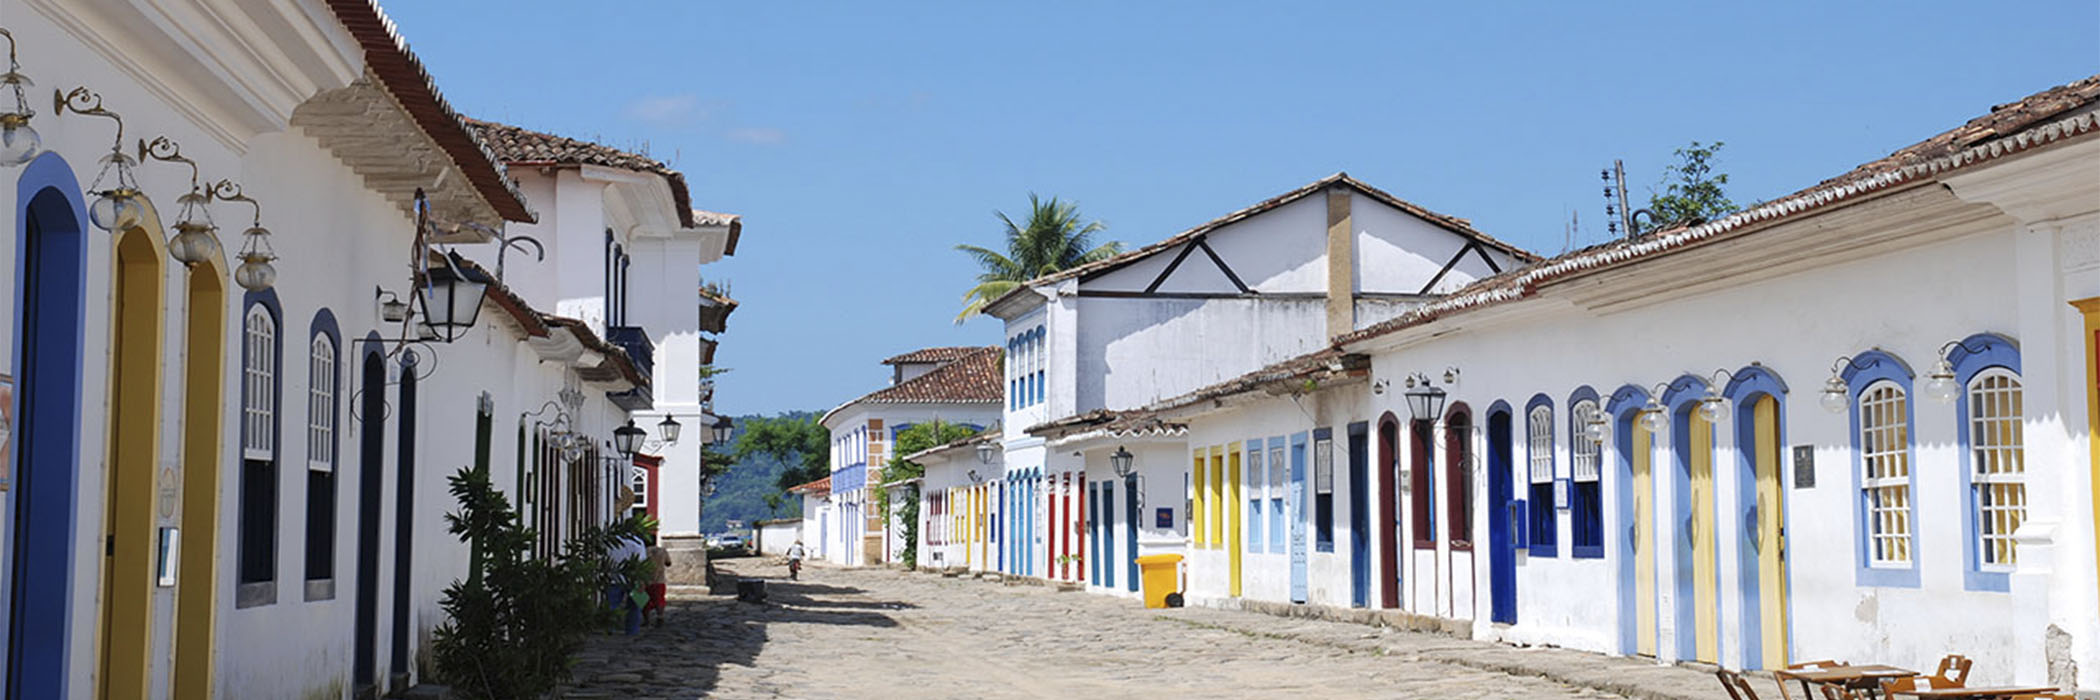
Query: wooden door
x,y
1770,539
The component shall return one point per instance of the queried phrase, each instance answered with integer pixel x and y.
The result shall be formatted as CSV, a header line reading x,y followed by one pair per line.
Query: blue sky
x,y
862,141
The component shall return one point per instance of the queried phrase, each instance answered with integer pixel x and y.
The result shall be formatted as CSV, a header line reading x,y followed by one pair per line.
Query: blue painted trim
x,y
1277,514
1257,494
1299,564
1502,513
1588,514
1545,535
1130,532
48,403
1323,518
1681,399
1865,370
1749,385
1990,350
1624,408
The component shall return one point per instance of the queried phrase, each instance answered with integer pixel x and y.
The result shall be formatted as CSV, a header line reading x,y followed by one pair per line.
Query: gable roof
x,y
388,57
521,146
973,377
927,355
1453,224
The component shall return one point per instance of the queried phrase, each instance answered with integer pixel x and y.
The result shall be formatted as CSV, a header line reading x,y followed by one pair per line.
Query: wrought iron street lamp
x,y
116,204
451,301
1425,400
669,430
1121,461
627,439
723,427
984,453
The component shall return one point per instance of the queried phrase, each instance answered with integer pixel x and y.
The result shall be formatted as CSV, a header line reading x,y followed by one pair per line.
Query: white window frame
x,y
1584,455
1997,464
1539,430
1885,472
259,385
321,404
638,480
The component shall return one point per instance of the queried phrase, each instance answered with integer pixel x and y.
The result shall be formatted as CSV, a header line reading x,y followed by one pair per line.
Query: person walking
x,y
659,580
795,554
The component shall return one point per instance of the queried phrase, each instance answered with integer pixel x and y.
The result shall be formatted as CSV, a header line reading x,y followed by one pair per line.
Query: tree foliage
x,y
1692,191
799,442
513,626
913,440
1053,238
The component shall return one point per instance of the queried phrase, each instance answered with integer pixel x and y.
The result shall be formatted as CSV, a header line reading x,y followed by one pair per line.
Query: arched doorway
x,y
1502,552
1388,511
137,312
1760,434
50,277
404,514
1635,495
196,592
1458,506
371,411
1695,549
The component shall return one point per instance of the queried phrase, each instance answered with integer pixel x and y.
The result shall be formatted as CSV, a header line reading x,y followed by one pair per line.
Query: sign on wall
x,y
1804,466
1165,519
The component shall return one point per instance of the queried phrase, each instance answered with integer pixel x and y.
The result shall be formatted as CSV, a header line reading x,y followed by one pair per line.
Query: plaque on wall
x,y
1804,466
1165,519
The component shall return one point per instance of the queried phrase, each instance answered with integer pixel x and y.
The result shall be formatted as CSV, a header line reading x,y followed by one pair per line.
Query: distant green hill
x,y
741,493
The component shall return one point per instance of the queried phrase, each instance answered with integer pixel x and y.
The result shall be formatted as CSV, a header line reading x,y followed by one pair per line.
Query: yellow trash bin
x,y
1162,575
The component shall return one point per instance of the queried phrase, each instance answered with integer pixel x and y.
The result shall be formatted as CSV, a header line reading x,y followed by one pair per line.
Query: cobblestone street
x,y
880,633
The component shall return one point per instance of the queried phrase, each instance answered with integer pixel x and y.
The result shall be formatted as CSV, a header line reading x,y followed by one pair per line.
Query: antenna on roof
x,y
1619,213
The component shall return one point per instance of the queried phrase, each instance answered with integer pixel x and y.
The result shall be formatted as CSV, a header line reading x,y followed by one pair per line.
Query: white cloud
x,y
764,136
667,110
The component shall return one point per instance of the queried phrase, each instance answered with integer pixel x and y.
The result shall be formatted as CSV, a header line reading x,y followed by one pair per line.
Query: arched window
x,y
322,408
1997,465
1884,454
1587,512
1539,430
258,509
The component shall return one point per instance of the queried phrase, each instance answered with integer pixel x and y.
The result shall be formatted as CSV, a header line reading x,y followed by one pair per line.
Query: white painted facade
x,y
256,93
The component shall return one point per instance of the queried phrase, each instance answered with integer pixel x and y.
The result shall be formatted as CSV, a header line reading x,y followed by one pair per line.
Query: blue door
x,y
50,278
1130,529
1296,498
1359,514
1105,546
1502,551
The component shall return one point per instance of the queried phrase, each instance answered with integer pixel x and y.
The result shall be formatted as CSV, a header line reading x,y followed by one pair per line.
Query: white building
x,y
266,468
952,385
623,247
1272,281
960,501
1855,422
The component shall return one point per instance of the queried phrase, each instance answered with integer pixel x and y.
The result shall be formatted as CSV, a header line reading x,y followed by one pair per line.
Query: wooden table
x,y
1862,677
2000,691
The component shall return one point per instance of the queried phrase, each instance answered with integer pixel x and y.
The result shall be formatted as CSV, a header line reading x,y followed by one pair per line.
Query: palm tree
x,y
1054,239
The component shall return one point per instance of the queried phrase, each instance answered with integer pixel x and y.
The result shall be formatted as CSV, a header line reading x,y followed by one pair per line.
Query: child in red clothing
x,y
659,577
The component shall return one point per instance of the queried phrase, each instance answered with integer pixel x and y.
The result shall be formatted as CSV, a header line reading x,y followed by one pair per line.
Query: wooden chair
x,y
1838,692
1821,663
1915,683
1954,668
1737,686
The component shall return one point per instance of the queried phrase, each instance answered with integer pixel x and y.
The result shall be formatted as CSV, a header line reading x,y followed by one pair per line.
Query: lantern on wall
x,y
1424,399
451,301
1122,462
668,428
627,439
19,143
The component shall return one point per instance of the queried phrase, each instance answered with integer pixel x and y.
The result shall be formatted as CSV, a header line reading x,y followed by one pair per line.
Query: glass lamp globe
x,y
1597,431
1940,385
1834,397
1714,409
116,210
1654,421
19,143
193,244
255,274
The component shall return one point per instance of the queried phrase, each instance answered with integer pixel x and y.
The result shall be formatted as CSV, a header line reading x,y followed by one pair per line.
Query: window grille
x,y
258,385
1884,441
1998,465
638,480
320,405
1582,453
1541,431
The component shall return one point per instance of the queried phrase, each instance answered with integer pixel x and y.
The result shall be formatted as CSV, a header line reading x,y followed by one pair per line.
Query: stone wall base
x,y
688,560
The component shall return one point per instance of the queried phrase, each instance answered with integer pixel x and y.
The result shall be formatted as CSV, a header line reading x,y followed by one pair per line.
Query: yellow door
x,y
1216,513
1198,529
195,585
128,575
1643,537
1771,543
1705,571
2090,309
1232,529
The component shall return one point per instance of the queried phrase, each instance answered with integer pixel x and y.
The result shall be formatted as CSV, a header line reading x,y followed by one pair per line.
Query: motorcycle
x,y
794,569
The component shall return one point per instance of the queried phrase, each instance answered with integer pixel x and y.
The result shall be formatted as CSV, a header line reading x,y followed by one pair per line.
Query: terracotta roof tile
x,y
975,377
522,146
819,486
931,355
387,56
